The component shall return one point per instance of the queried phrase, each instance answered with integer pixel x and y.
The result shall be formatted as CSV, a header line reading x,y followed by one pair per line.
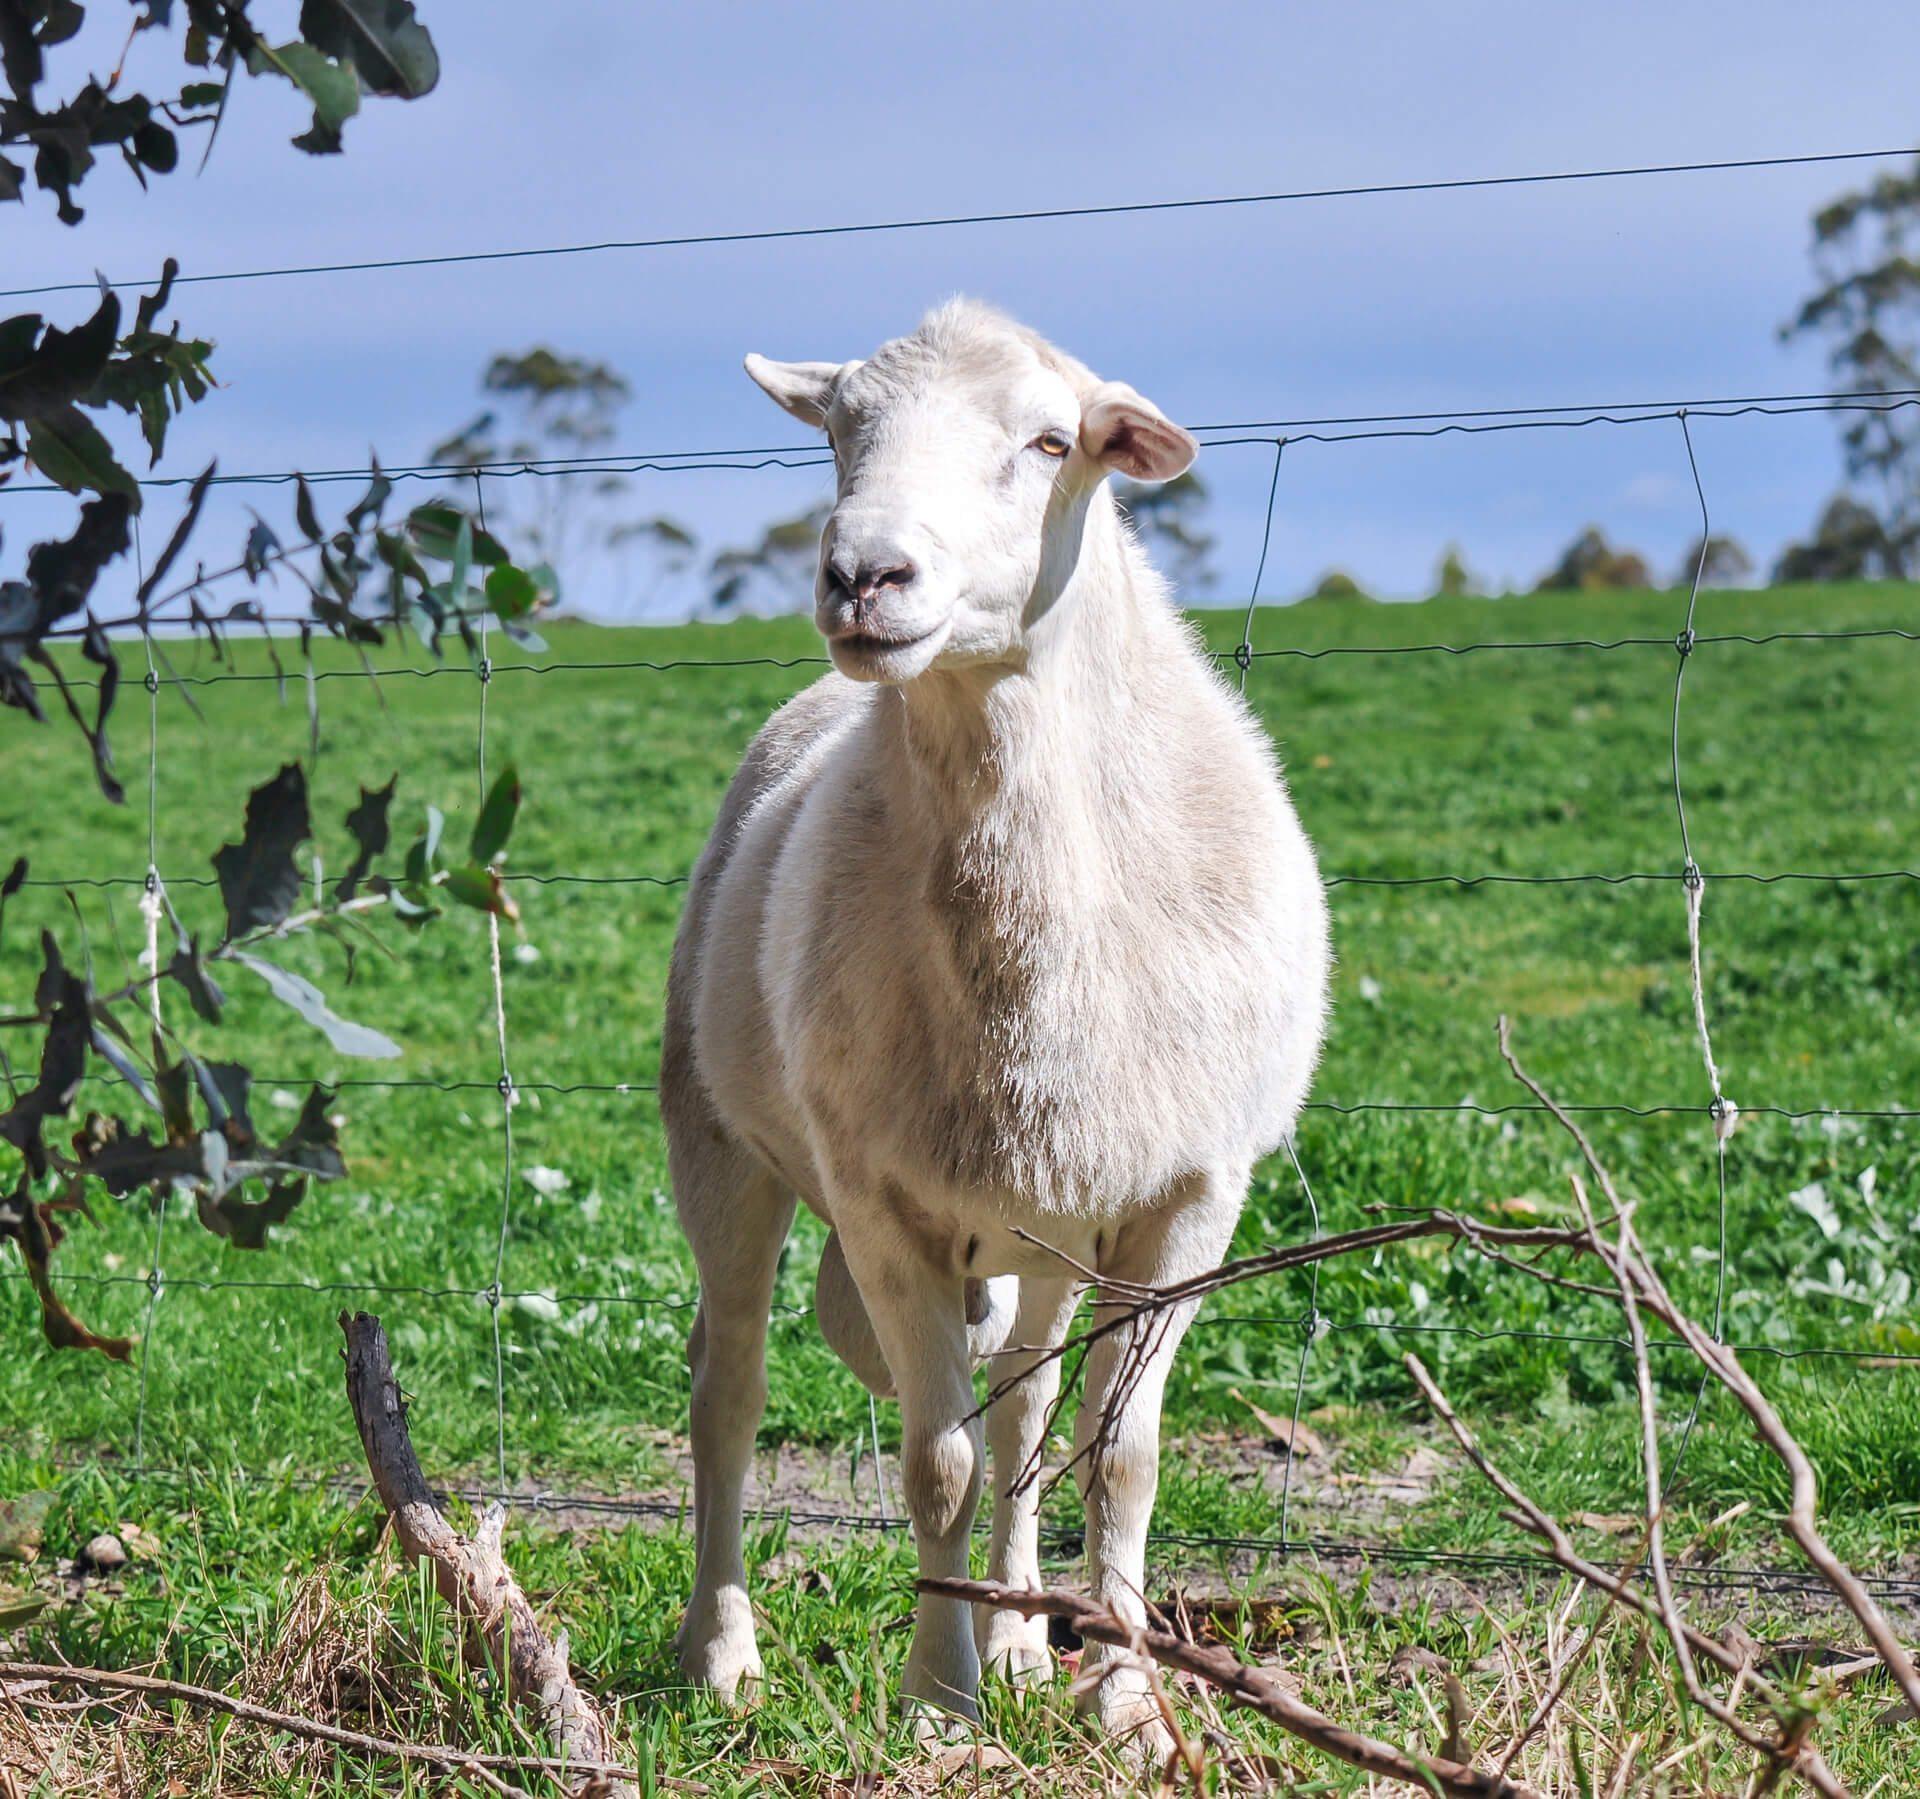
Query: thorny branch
x,y
1610,1238
1246,1686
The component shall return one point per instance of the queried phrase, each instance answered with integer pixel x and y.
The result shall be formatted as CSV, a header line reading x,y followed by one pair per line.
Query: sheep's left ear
x,y
1119,430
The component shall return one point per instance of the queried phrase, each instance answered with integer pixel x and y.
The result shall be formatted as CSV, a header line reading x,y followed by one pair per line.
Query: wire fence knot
x,y
1684,641
151,681
1243,655
484,669
1691,878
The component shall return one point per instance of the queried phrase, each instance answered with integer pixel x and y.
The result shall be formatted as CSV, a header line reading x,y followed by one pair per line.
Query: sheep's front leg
x,y
736,1218
1126,1378
1016,1426
919,1314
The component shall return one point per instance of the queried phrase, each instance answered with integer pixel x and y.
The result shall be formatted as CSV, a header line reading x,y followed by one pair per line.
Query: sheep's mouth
x,y
872,656
863,643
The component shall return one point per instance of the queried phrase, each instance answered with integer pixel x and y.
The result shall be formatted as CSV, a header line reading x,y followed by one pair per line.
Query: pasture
x,y
1798,757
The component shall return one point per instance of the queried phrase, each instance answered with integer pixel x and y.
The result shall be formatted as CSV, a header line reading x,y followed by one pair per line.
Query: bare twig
x,y
1245,1686
440,1755
470,1573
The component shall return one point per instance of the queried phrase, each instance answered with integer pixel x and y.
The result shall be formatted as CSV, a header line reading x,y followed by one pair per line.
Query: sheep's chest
x,y
990,1024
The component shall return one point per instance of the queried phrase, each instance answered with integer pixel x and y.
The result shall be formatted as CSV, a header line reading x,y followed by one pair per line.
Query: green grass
x,y
1796,756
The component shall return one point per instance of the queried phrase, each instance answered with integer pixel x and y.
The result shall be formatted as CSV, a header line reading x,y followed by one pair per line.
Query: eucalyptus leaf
x,y
304,997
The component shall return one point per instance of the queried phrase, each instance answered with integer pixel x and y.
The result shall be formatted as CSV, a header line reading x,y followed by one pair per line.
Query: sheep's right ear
x,y
804,389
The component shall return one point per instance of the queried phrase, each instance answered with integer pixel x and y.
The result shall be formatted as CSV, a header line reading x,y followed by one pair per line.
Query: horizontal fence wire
x,y
1028,215
1278,435
1066,1539
1479,421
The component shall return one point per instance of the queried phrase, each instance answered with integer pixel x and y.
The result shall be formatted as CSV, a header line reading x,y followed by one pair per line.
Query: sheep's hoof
x,y
1013,1648
1129,1713
936,1728
724,1658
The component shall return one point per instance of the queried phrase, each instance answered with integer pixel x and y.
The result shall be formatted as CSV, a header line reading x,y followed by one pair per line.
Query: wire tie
x,y
1691,878
485,670
150,681
155,1282
505,1084
152,883
1243,655
492,1295
1684,643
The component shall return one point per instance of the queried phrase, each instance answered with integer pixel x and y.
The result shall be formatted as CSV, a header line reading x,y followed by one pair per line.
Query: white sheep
x,y
1008,923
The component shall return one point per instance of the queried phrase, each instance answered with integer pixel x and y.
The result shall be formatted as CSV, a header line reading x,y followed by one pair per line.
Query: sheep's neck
x,y
1000,774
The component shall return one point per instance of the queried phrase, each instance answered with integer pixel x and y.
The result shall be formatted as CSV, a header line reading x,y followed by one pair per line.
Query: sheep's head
x,y
965,456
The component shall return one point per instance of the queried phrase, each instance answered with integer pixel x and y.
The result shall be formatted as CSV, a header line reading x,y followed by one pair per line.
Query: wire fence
x,y
1713,1108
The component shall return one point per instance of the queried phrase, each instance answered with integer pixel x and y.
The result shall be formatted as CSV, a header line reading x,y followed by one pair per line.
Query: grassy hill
x,y
1529,764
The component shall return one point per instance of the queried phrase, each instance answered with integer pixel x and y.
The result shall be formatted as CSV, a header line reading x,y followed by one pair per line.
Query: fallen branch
x,y
472,1577
438,1755
1245,1686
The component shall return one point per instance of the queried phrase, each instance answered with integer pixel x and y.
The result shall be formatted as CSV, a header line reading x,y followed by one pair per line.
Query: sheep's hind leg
x,y
1016,1426
736,1216
1126,1378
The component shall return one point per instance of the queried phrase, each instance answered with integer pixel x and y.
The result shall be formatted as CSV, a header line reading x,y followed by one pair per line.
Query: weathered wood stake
x,y
503,1631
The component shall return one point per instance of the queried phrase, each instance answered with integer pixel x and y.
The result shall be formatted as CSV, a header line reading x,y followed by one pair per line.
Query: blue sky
x,y
585,120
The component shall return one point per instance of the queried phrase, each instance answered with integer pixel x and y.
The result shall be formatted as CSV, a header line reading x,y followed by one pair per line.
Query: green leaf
x,y
199,94
511,592
38,380
421,858
69,449
304,997
259,879
334,89
303,513
495,824
435,526
482,889
381,39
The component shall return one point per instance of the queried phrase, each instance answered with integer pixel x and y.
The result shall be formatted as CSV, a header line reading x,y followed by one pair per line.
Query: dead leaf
x,y
978,1756
1410,1659
1612,1524
1282,1430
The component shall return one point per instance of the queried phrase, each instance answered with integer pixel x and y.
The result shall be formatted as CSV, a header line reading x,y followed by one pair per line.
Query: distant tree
x,y
1168,518
1726,565
1850,543
563,410
1868,308
1337,585
1454,578
1591,565
784,560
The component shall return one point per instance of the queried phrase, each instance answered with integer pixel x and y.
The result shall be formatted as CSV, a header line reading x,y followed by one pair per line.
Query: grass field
x,y
1798,758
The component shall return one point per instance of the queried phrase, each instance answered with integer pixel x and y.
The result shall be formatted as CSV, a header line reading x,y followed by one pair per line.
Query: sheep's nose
x,y
868,579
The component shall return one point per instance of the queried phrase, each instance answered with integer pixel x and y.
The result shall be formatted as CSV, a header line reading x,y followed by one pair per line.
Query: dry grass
x,y
1575,1699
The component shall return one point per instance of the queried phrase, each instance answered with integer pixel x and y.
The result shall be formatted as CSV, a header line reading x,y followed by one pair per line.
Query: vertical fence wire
x,y
1310,1333
152,901
508,1095
1722,1112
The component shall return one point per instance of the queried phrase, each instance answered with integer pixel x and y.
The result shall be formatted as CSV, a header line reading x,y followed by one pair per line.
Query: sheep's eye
x,y
1053,443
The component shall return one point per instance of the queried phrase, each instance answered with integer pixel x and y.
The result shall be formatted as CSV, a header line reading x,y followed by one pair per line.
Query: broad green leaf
x,y
511,592
333,88
382,40
495,824
434,527
371,835
482,889
69,449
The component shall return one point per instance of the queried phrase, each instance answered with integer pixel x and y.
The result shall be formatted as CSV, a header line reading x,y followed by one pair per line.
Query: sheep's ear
x,y
804,389
1119,430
